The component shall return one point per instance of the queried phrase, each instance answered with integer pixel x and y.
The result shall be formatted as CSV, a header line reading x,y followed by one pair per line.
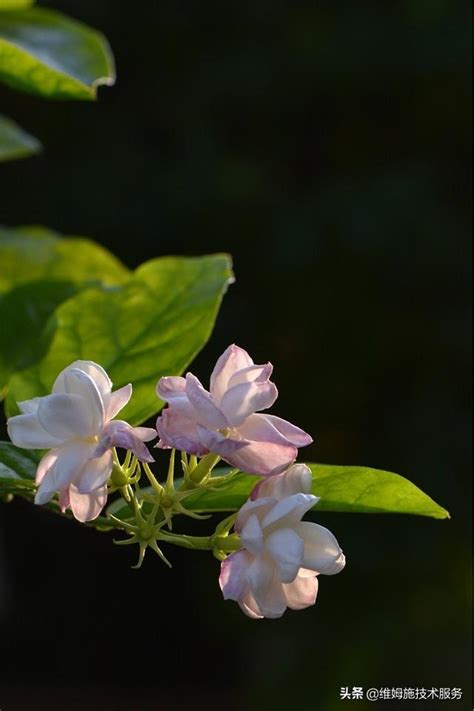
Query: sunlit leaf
x,y
46,53
35,253
15,143
15,4
39,272
153,325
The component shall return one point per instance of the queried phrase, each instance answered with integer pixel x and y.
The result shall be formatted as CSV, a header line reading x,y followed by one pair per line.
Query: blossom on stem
x,y
281,555
76,424
225,420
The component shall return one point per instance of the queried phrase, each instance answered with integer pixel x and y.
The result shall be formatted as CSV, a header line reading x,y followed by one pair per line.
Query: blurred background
x,y
326,146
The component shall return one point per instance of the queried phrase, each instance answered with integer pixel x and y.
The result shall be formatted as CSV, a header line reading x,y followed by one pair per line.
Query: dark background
x,y
326,146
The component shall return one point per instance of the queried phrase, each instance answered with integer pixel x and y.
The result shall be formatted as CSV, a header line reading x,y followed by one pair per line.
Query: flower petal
x,y
251,374
266,588
289,511
29,407
249,605
114,402
69,463
86,507
64,500
74,381
296,480
250,508
25,431
233,580
232,360
259,458
301,593
322,552
291,433
45,465
93,371
286,549
179,432
251,535
217,443
120,434
68,416
245,399
206,412
173,391
94,474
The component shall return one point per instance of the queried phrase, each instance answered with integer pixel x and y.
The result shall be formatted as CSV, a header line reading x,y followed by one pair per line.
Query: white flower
x,y
75,423
281,555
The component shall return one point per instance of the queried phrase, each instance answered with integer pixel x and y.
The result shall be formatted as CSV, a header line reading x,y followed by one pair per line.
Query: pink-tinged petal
x,y
286,549
292,434
68,416
251,508
244,400
232,360
86,507
76,382
258,458
261,428
260,576
179,432
322,552
301,593
146,434
115,402
289,511
217,443
251,536
93,371
296,480
206,412
266,588
46,489
233,580
252,374
70,461
25,431
94,474
249,606
120,434
173,391
29,407
45,465
64,500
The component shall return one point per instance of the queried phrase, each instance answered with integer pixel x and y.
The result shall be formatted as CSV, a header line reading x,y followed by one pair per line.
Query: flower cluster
x,y
275,557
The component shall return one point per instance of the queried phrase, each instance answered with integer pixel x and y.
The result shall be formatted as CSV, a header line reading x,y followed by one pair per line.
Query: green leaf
x,y
15,4
17,471
154,325
46,53
24,313
47,270
35,253
350,489
14,142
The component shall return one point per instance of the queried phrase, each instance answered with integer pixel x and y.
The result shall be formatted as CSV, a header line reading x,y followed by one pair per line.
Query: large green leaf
x,y
46,53
39,272
24,313
35,253
17,471
14,142
15,4
350,489
152,326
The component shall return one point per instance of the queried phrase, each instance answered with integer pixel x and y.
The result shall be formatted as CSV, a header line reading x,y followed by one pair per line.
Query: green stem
x,y
205,466
202,543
